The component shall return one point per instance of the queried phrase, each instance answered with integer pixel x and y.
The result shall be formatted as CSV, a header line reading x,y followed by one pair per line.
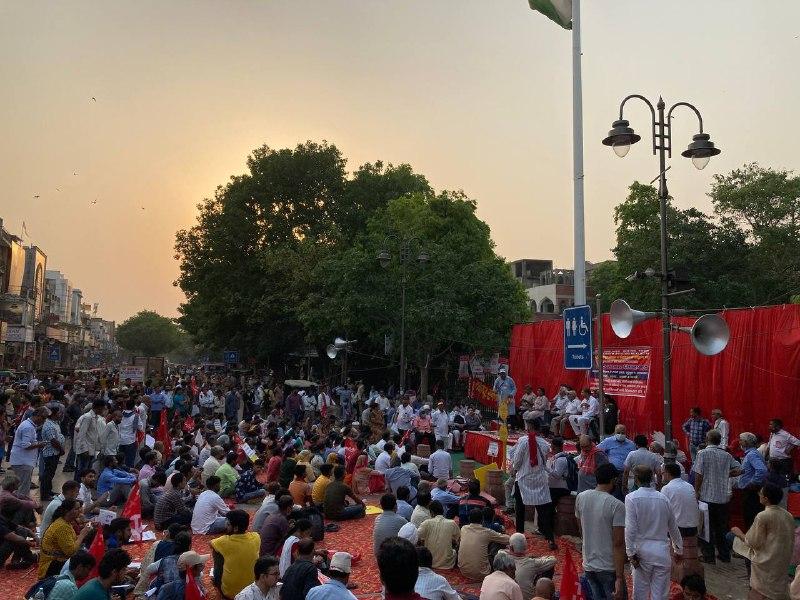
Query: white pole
x,y
577,158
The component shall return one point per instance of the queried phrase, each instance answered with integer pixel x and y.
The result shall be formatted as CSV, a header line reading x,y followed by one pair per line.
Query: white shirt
x,y
440,463
253,592
683,501
405,416
779,444
383,403
649,526
207,399
432,586
383,462
441,423
532,481
560,402
208,507
724,429
573,407
590,407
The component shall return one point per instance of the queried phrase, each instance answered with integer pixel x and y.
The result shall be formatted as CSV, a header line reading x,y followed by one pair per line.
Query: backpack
x,y
46,585
572,473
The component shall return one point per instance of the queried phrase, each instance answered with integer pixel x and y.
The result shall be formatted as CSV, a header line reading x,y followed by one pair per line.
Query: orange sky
x,y
475,94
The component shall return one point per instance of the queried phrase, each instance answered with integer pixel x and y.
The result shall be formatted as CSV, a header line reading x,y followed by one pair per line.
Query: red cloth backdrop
x,y
754,379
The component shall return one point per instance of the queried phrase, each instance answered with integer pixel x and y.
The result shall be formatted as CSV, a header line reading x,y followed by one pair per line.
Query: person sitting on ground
x,y
336,588
88,496
430,584
165,569
269,505
149,466
422,511
491,520
228,476
500,583
117,533
213,462
190,564
170,507
300,530
16,542
318,489
448,499
116,482
528,568
407,463
159,549
60,541
274,465
66,586
302,575
265,586
384,460
473,499
235,554
545,589
69,491
286,472
150,491
299,488
15,506
404,509
336,494
275,527
478,547
398,565
248,487
111,571
388,523
440,463
208,515
441,536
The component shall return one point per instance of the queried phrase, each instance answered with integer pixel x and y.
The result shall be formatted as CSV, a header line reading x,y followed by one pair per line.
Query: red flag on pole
x,y
570,586
192,591
162,434
96,549
133,511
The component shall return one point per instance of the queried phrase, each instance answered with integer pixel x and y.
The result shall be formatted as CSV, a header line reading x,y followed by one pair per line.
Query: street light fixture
x,y
621,137
384,258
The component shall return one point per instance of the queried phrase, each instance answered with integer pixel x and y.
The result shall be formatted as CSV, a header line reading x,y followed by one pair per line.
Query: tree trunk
x,y
423,378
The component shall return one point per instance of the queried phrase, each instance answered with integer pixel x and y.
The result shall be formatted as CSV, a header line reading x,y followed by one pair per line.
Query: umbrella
x,y
299,383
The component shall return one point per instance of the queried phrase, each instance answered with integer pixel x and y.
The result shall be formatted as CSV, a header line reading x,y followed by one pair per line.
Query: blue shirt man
x,y
754,469
157,400
111,477
617,448
505,387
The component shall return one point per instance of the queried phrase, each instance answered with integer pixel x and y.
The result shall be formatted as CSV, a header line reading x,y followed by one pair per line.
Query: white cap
x,y
409,532
341,561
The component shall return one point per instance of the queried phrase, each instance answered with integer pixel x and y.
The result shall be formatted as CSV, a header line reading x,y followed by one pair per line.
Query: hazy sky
x,y
475,94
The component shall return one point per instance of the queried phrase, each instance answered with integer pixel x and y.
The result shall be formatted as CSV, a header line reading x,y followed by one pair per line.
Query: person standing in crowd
x,y
506,389
617,447
25,450
768,545
441,426
779,453
649,528
754,475
50,454
109,439
158,400
683,501
721,424
602,522
235,554
713,469
528,469
398,566
639,457
695,428
87,436
131,425
588,460
265,586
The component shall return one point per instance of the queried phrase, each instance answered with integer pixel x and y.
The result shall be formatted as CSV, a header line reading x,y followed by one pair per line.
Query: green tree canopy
x,y
465,294
149,334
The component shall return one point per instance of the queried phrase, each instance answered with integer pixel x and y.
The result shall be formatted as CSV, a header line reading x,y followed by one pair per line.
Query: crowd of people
x,y
199,449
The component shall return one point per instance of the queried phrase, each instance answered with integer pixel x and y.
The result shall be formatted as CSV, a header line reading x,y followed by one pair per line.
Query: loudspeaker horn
x,y
331,351
623,318
342,343
710,334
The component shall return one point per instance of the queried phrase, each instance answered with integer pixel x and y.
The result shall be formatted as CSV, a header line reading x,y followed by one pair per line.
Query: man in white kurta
x,y
531,481
649,527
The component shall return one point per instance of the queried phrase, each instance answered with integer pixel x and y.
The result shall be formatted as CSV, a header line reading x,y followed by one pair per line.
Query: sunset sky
x,y
475,94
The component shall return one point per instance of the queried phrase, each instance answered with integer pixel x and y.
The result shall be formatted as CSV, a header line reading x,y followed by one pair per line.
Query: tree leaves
x,y
149,334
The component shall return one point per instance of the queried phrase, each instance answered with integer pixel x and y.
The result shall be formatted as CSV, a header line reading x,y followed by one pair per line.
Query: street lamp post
x,y
405,245
620,138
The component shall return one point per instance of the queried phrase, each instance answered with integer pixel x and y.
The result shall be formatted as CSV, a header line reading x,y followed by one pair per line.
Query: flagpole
x,y
577,160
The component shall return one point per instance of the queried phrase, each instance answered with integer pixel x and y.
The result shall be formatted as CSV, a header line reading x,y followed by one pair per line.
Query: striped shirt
x,y
715,465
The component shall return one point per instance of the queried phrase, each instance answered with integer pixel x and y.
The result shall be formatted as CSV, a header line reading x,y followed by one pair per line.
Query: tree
x,y
464,295
149,334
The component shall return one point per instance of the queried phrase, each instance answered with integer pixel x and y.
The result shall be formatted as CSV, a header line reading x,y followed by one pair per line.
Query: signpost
x,y
231,357
577,323
54,353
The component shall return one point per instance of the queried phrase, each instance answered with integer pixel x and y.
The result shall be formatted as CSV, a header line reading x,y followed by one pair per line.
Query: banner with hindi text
x,y
626,371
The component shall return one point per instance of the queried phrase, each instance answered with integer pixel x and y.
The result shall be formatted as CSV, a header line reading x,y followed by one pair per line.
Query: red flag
x,y
97,549
570,586
192,591
162,434
133,511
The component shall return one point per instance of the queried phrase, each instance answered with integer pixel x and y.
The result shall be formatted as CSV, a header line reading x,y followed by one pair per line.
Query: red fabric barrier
x,y
476,446
754,379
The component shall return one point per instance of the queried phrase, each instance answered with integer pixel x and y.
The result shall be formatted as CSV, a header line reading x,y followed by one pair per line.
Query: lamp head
x,y
701,150
384,257
423,258
621,137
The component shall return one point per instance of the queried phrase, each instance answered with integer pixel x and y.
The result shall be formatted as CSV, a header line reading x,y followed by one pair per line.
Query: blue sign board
x,y
231,357
577,321
54,353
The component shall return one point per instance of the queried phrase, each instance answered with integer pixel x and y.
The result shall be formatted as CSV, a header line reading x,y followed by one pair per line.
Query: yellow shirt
x,y
59,543
318,491
240,552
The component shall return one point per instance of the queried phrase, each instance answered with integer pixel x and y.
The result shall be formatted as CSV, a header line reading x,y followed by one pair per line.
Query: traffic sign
x,y
577,322
231,357
54,353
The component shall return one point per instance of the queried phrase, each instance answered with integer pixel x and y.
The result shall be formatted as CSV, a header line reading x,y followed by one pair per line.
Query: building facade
x,y
550,289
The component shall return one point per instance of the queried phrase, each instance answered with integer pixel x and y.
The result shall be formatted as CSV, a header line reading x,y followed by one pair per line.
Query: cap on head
x,y
342,562
190,559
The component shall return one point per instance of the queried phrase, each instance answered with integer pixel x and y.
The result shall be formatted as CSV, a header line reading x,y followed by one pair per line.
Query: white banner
x,y
132,372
